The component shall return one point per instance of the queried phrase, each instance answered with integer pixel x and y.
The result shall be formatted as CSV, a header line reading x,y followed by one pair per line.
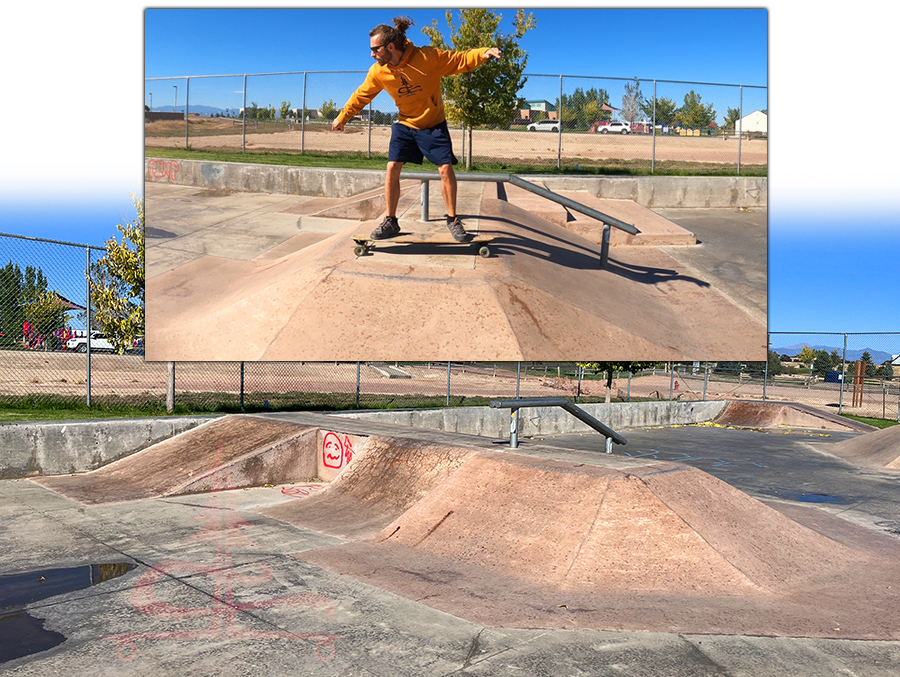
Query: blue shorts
x,y
411,145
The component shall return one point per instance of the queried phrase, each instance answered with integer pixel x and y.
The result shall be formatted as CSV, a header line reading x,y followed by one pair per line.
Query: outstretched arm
x,y
493,53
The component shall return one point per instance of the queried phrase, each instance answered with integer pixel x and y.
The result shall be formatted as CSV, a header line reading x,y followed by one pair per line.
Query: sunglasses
x,y
376,48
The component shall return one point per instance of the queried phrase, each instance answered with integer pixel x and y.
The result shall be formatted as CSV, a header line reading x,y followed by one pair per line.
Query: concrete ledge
x,y
541,421
63,447
659,192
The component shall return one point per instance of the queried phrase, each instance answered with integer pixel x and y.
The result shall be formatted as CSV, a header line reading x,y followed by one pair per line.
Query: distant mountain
x,y
200,110
878,356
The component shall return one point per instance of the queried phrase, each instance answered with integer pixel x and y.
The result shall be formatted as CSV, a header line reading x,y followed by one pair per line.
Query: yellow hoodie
x,y
414,83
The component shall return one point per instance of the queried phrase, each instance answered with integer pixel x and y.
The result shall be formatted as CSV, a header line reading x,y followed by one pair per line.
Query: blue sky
x,y
75,74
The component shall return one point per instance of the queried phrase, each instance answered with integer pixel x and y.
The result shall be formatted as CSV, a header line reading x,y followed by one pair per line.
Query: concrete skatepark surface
x,y
474,559
265,277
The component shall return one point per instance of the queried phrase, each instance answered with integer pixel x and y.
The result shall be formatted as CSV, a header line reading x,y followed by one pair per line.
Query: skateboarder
x,y
412,76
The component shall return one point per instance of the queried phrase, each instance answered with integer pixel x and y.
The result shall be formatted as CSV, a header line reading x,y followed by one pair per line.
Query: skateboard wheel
x,y
484,252
360,250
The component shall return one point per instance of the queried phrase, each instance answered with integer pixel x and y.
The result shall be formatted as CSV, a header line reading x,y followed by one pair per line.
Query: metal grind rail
x,y
500,179
576,411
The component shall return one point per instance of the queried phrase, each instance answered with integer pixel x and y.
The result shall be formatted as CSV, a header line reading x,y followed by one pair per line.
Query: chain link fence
x,y
292,113
44,305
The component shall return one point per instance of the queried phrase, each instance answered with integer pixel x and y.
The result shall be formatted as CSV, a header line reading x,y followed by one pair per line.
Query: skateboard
x,y
363,242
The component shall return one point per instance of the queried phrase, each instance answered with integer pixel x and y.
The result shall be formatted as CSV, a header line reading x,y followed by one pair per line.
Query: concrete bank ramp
x,y
516,541
744,414
386,478
879,449
540,296
226,453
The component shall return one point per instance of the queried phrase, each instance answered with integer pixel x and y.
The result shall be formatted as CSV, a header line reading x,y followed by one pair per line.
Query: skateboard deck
x,y
363,242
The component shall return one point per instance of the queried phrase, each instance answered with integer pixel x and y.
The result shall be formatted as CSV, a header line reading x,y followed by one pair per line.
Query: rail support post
x,y
514,429
425,209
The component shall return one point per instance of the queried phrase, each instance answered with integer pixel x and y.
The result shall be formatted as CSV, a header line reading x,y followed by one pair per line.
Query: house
x,y
531,110
757,121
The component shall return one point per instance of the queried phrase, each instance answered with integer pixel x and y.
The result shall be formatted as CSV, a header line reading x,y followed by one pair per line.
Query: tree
x,y
807,355
734,114
693,113
329,110
735,368
771,368
612,367
489,94
631,101
285,109
822,363
869,364
581,109
117,293
663,113
17,291
47,314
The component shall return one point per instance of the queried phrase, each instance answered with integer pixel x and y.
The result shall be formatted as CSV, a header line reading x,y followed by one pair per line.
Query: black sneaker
x,y
388,228
457,232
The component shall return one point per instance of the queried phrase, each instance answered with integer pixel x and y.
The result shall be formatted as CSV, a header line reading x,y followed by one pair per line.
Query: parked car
x,y
544,126
99,342
616,127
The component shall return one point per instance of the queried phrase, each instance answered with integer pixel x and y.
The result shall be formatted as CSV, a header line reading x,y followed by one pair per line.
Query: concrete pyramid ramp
x,y
227,453
541,296
385,478
522,542
879,449
747,414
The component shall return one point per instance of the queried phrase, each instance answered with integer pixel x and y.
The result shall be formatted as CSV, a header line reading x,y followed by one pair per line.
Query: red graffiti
x,y
225,527
163,169
303,490
336,453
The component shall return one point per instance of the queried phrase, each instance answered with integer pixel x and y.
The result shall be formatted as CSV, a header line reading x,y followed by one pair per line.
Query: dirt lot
x,y
64,374
514,145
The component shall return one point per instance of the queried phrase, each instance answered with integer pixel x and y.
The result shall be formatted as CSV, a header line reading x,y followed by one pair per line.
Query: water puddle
x,y
819,498
22,634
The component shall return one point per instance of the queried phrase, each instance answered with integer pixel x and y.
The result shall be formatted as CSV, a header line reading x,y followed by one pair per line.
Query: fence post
x,y
244,122
303,116
844,377
187,105
559,116
579,372
369,132
88,342
671,380
741,89
357,385
242,385
705,379
170,388
766,376
518,377
448,384
653,133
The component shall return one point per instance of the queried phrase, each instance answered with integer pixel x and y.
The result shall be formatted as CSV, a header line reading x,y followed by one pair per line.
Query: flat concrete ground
x,y
788,468
731,251
220,589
